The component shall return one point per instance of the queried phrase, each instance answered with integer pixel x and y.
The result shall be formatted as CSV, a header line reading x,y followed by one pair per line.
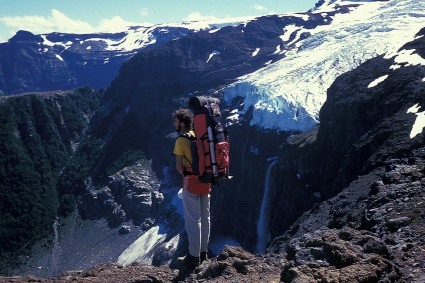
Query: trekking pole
x,y
212,151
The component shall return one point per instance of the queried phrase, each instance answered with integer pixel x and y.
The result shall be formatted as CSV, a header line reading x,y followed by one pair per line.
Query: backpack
x,y
210,146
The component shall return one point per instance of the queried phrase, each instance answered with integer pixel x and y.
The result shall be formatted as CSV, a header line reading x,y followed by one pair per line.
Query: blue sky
x,y
85,16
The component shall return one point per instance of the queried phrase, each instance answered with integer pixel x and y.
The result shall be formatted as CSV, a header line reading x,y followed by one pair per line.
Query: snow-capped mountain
x,y
273,73
288,94
54,61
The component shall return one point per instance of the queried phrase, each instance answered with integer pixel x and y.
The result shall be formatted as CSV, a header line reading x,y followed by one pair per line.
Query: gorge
x,y
339,166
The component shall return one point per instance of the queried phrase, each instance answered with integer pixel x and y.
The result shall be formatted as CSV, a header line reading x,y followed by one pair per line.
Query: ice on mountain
x,y
288,30
409,57
255,52
287,94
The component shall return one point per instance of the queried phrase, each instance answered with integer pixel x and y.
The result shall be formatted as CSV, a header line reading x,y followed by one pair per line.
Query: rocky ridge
x,y
43,62
371,232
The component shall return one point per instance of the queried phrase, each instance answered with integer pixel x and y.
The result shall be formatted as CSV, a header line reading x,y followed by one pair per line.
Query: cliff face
x,y
362,174
158,81
39,134
366,122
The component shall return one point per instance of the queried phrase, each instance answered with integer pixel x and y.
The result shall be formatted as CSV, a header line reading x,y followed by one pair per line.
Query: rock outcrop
x,y
363,125
129,194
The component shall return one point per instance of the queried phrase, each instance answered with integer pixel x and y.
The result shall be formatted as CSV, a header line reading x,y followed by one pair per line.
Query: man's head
x,y
183,120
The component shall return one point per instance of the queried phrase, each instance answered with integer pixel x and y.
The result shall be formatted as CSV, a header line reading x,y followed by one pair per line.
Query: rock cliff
x,y
39,133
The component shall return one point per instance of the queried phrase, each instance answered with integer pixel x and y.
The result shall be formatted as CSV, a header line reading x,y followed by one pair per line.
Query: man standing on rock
x,y
196,198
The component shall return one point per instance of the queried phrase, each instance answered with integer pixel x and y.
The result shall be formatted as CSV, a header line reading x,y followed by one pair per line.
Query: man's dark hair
x,y
185,116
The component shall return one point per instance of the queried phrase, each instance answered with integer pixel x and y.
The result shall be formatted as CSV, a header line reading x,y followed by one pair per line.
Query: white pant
x,y
197,221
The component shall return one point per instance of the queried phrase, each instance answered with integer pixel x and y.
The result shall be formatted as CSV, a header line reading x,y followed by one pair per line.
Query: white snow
x,y
407,57
59,57
419,124
255,52
287,31
140,250
288,94
50,43
215,52
278,50
414,109
135,38
377,81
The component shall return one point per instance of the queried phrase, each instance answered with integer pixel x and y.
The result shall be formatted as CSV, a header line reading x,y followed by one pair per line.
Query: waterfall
x,y
263,227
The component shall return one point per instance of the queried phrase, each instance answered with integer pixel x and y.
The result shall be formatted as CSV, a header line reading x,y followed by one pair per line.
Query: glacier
x,y
287,95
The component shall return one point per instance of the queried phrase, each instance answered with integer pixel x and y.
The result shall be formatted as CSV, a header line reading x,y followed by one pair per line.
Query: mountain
x,y
288,156
288,95
39,134
63,61
369,231
301,52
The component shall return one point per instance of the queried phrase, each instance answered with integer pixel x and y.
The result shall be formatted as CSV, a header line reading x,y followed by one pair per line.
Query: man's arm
x,y
179,163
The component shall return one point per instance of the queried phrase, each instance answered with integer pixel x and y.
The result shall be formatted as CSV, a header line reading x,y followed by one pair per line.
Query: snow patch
x,y
419,124
232,119
409,58
377,81
414,109
141,249
50,43
59,57
288,30
215,52
255,52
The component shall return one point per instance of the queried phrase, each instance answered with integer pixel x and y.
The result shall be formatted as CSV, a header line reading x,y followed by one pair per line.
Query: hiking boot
x,y
190,260
203,256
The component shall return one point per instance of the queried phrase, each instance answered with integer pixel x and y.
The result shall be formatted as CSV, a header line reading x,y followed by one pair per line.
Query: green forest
x,y
38,135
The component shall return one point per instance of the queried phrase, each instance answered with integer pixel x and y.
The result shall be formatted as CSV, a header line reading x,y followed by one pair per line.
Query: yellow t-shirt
x,y
182,148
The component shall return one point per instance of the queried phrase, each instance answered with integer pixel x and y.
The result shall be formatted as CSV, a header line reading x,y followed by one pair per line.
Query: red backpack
x,y
210,146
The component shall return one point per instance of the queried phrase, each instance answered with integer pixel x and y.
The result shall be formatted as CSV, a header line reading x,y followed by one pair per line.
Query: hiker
x,y
196,197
